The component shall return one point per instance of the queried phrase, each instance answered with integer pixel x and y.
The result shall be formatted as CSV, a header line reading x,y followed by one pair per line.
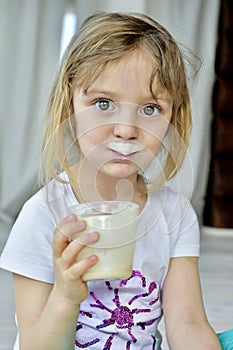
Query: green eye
x,y
150,110
104,105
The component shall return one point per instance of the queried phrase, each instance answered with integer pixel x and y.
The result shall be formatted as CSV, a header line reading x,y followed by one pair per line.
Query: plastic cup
x,y
116,222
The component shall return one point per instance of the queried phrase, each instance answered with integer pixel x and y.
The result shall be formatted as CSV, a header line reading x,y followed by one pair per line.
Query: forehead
x,y
131,72
130,78
137,62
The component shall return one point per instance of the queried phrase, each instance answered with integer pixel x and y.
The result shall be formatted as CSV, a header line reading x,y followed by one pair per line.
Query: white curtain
x,y
30,33
194,24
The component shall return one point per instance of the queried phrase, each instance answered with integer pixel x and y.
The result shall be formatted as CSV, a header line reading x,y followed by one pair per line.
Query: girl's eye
x,y
150,110
104,105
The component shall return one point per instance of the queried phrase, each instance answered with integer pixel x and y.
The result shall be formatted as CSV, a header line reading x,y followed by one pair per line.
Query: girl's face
x,y
119,124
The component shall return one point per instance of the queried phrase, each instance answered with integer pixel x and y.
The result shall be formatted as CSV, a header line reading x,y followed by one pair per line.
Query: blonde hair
x,y
102,38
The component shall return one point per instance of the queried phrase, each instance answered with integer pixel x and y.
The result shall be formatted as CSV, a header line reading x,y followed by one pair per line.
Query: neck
x,y
90,188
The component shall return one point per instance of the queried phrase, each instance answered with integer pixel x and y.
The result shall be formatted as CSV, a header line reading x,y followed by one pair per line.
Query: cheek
x,y
154,130
154,139
91,138
89,120
153,148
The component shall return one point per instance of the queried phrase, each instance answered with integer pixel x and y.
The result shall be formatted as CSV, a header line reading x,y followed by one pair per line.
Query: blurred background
x,y
33,36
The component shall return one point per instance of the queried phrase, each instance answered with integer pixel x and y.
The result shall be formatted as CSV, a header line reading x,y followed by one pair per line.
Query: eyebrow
x,y
109,93
99,91
115,95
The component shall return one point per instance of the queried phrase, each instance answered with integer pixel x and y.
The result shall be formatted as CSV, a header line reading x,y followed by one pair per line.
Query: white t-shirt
x,y
116,314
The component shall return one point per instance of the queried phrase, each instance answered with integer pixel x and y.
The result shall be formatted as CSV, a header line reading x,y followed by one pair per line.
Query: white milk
x,y
125,148
116,223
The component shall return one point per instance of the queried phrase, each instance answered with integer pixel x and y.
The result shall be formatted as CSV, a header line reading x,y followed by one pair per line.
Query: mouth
x,y
124,148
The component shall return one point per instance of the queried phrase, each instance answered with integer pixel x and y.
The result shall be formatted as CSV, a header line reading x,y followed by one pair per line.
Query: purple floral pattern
x,y
123,316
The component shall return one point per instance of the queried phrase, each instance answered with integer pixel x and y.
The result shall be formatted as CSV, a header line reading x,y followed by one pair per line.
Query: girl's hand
x,y
68,272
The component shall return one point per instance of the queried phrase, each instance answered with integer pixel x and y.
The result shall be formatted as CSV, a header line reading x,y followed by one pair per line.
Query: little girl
x,y
118,127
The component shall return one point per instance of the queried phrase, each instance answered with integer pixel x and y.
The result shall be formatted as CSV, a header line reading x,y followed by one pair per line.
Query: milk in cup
x,y
116,222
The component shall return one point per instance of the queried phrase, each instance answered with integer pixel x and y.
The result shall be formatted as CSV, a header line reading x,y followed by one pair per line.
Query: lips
x,y
125,148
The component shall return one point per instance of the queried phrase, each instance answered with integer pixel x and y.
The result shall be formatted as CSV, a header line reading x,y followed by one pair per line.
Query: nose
x,y
125,131
126,125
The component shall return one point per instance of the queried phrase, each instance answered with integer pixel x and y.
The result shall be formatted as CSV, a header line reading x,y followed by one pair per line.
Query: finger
x,y
63,233
78,269
69,255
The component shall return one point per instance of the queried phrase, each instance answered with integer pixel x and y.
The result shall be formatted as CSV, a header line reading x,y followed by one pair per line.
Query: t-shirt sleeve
x,y
28,251
185,238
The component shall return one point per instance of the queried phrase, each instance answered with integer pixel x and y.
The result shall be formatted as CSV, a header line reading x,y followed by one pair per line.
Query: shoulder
x,y
33,224
51,203
28,250
37,216
178,221
175,208
37,208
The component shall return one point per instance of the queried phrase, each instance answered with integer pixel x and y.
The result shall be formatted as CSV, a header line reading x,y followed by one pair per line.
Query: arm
x,y
186,324
47,314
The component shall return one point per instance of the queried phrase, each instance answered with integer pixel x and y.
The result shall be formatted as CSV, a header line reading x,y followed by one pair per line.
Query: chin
x,y
119,170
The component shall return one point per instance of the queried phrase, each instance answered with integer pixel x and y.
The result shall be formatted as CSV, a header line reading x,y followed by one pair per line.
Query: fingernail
x,y
71,217
93,259
81,223
93,236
